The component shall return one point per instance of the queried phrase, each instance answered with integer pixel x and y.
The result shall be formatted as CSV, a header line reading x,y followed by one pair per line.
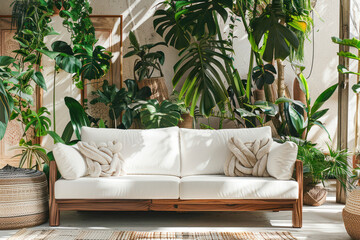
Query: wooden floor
x,y
323,222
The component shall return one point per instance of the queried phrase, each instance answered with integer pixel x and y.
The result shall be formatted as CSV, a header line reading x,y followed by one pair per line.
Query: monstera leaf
x,y
263,74
278,37
204,62
181,20
156,115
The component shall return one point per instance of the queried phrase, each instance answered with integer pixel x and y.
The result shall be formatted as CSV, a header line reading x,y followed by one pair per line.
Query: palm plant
x,y
192,27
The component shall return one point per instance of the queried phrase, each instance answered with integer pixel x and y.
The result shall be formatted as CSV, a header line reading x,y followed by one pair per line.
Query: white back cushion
x,y
70,162
281,160
205,151
154,151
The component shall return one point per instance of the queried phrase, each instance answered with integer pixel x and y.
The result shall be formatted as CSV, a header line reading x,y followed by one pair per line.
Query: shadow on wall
x,y
138,17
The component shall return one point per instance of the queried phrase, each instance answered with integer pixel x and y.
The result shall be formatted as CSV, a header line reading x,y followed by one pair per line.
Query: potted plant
x,y
146,65
319,167
186,121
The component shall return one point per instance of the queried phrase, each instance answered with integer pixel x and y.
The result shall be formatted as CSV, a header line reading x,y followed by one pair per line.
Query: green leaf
x,y
347,42
102,124
48,53
6,61
279,39
324,96
67,133
78,116
289,100
303,85
348,55
134,42
155,115
56,137
39,80
356,88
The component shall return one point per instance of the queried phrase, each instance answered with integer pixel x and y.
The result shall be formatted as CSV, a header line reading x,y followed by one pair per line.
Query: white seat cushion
x,y
124,187
154,151
205,151
223,187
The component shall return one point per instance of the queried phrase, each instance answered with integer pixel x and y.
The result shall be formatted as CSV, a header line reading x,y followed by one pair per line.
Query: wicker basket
x,y
314,195
351,214
23,198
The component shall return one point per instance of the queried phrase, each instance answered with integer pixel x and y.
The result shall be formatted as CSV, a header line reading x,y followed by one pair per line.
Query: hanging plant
x,y
95,60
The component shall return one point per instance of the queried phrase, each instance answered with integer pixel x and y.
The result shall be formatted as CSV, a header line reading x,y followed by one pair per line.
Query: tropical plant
x,y
156,115
192,27
124,101
17,75
95,60
319,167
353,43
295,111
37,120
147,61
32,155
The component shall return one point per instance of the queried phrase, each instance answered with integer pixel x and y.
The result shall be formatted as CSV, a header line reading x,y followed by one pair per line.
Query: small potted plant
x,y
319,167
148,63
186,121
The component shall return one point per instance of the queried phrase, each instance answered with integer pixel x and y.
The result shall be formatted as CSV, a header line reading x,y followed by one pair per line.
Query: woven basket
x,y
314,196
23,198
351,214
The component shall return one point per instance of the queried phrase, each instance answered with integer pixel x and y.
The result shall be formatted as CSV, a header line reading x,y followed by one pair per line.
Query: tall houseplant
x,y
148,63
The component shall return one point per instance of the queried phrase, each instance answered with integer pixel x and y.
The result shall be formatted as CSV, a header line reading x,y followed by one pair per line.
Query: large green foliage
x,y
147,61
18,74
294,110
159,115
123,101
202,63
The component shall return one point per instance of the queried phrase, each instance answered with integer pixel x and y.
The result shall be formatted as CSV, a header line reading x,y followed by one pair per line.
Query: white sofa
x,y
175,169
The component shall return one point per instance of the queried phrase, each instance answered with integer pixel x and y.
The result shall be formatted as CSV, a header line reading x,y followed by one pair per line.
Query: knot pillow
x,y
248,159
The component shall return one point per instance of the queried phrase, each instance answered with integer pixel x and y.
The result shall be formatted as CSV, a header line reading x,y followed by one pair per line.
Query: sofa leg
x,y
297,215
54,216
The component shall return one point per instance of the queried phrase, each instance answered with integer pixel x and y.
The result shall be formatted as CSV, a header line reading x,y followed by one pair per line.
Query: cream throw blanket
x,y
104,159
248,159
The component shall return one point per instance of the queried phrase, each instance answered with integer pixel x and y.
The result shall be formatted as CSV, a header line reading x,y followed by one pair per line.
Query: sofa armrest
x,y
52,180
299,177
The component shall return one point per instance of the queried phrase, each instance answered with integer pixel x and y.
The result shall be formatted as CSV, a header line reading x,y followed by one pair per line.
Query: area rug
x,y
127,235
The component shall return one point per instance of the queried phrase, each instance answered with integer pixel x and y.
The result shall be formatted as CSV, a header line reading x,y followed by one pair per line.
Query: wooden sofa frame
x,y
57,205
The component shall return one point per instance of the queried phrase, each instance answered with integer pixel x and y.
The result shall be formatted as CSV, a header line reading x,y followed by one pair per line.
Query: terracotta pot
x,y
187,121
158,88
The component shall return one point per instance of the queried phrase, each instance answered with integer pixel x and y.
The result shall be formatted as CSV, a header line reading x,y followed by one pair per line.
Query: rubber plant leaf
x,y
78,116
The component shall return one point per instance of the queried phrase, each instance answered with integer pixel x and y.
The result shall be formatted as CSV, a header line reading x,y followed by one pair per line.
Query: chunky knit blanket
x,y
248,159
104,159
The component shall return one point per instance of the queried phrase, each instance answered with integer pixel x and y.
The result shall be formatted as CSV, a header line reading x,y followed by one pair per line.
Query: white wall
x,y
138,16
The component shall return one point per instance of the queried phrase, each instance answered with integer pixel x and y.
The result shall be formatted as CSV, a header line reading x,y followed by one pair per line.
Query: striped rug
x,y
26,234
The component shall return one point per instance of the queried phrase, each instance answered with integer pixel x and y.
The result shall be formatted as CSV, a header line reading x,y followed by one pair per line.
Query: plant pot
x,y
314,195
351,214
187,121
158,88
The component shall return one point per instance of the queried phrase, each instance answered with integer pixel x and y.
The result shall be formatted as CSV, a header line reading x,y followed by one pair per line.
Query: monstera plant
x,y
192,27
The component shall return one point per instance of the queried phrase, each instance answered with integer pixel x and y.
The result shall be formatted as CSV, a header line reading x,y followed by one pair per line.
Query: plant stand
x,y
23,198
